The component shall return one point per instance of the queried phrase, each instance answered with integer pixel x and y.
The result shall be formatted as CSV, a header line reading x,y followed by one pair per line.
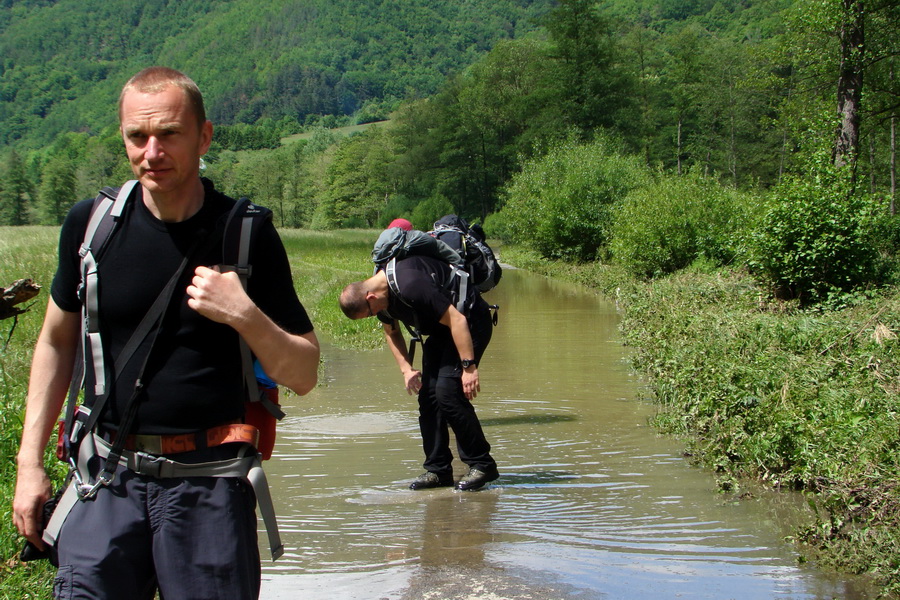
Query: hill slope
x,y
64,61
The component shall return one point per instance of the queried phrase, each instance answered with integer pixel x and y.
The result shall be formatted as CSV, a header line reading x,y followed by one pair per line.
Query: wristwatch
x,y
466,363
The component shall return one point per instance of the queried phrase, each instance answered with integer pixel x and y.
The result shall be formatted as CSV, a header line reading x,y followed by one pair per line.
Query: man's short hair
x,y
153,80
353,300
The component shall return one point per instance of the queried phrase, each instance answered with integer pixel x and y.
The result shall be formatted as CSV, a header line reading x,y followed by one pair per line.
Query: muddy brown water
x,y
591,502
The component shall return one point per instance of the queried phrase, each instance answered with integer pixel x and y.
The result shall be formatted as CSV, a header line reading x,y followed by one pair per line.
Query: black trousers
x,y
443,405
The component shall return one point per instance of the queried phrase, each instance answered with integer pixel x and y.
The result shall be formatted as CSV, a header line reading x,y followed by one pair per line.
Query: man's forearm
x,y
291,360
51,372
397,345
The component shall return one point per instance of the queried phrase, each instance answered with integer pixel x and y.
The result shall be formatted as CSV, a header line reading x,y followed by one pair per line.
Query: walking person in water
x,y
179,522
451,355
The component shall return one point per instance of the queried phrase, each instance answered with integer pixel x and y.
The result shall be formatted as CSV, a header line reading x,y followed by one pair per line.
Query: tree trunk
x,y
893,165
893,156
679,145
872,160
850,82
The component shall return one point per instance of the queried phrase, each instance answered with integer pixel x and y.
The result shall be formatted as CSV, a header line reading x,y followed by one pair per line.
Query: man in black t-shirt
x,y
185,536
449,379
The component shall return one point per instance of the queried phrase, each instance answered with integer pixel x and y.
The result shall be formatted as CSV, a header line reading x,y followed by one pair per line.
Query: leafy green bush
x,y
560,204
815,239
398,205
429,211
497,226
676,220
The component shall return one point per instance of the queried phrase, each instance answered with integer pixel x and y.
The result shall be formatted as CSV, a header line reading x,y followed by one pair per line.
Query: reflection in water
x,y
591,503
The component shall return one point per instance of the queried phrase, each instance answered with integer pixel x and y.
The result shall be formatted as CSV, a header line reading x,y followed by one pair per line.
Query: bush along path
x,y
802,400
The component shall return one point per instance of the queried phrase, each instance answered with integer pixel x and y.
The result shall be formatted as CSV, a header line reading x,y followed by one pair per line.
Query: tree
x,y
844,49
592,84
495,114
358,180
644,45
16,192
681,76
851,33
58,189
564,200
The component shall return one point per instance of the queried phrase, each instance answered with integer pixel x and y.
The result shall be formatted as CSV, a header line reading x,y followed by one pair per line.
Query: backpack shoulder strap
x,y
390,272
107,208
241,227
415,331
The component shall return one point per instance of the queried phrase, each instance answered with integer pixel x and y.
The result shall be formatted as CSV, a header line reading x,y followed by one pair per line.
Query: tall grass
x,y
322,264
25,252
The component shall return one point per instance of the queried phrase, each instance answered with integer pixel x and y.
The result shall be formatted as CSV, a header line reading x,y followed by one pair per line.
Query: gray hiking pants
x,y
192,538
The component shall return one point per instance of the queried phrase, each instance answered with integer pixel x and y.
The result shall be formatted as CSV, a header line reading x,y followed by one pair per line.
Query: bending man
x,y
451,354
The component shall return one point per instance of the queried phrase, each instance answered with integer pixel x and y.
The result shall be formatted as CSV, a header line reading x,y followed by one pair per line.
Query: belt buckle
x,y
147,464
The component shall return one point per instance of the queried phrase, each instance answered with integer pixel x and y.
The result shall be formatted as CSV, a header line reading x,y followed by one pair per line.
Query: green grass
x,y
322,264
25,252
342,131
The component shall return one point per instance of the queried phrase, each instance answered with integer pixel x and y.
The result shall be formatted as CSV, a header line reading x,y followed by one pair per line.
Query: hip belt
x,y
188,442
246,465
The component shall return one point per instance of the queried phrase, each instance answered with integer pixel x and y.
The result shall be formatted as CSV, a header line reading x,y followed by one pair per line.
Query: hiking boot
x,y
476,478
430,480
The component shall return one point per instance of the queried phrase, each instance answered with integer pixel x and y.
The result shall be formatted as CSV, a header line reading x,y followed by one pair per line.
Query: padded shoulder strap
x,y
415,331
100,227
241,227
108,207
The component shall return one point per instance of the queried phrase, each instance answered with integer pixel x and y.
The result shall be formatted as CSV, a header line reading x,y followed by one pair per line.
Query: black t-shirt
x,y
424,298
193,379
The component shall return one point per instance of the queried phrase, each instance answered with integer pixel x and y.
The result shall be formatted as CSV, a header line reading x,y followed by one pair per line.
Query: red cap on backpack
x,y
401,223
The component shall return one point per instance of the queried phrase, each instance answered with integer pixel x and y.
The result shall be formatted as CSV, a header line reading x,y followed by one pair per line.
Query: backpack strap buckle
x,y
87,491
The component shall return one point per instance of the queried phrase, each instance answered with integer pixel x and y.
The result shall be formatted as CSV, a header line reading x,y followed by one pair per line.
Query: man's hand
x,y
470,383
32,491
413,381
219,296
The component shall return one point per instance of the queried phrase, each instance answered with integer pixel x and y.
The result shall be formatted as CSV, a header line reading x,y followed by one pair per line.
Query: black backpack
x,y
469,242
473,266
453,241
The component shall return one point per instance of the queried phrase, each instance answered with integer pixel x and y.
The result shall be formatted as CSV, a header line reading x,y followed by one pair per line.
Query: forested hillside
x,y
741,91
64,61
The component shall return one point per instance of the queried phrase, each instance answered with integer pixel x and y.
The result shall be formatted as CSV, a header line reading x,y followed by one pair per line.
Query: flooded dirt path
x,y
591,502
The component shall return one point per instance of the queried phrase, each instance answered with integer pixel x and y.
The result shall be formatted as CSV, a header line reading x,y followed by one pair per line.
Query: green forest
x,y
474,101
724,162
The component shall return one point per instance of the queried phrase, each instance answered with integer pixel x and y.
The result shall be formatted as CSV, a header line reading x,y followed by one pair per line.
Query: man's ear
x,y
206,136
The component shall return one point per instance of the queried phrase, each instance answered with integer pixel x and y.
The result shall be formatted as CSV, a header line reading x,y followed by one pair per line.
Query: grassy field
x,y
25,252
342,131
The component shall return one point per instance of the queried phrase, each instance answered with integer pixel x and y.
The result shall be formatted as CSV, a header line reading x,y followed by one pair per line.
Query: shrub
x,y
398,205
497,226
429,211
676,220
559,204
816,237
